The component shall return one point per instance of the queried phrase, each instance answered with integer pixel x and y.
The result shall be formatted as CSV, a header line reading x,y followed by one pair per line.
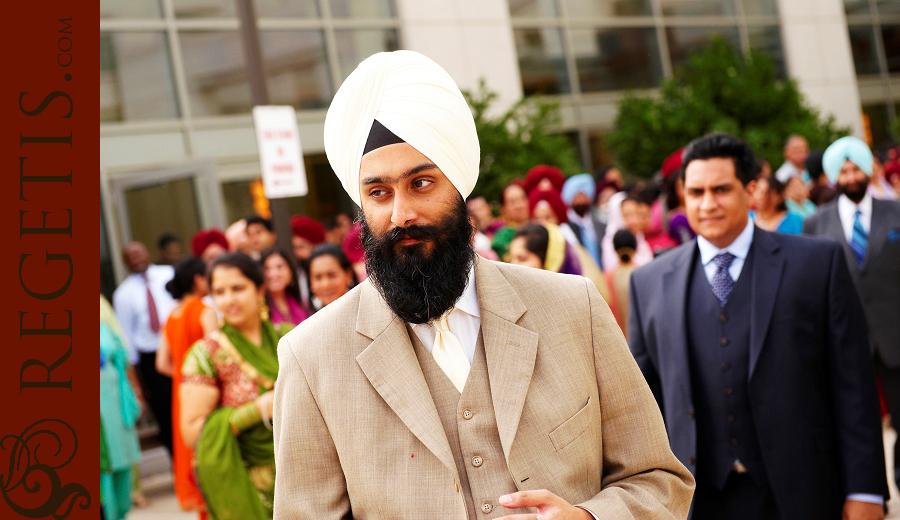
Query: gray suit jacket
x,y
878,281
357,433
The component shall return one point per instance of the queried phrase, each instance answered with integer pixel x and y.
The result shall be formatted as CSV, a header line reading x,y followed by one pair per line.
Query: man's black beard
x,y
421,286
857,194
581,209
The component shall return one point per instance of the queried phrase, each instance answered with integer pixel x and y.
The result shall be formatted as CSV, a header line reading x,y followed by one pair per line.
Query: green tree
x,y
516,140
720,90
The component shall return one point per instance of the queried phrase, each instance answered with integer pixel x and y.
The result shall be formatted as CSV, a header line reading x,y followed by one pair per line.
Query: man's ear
x,y
750,188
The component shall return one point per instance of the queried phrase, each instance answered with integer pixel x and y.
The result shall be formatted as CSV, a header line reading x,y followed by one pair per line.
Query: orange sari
x,y
183,329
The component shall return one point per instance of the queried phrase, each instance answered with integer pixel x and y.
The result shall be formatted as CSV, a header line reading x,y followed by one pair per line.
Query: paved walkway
x,y
164,506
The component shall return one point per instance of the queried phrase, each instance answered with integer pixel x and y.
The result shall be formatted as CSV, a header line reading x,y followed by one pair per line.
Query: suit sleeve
x,y
309,481
857,416
641,476
636,343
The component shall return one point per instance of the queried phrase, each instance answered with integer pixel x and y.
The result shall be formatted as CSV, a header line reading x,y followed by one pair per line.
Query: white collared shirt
x,y
130,304
740,248
847,212
464,321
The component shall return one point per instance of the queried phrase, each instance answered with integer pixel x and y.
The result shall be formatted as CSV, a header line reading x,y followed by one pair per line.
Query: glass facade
x,y
874,30
589,52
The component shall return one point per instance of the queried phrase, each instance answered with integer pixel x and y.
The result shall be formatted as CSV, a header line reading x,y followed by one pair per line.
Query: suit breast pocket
x,y
571,428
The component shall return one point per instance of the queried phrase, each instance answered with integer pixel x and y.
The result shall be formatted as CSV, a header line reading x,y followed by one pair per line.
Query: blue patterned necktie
x,y
859,241
722,282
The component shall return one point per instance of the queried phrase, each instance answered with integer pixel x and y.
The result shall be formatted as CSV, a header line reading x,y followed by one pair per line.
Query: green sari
x,y
236,473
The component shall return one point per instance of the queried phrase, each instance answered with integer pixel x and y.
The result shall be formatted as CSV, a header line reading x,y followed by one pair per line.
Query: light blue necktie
x,y
722,283
859,241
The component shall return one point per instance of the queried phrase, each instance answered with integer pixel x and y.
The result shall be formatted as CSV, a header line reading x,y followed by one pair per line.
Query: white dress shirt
x,y
130,304
740,247
847,212
464,321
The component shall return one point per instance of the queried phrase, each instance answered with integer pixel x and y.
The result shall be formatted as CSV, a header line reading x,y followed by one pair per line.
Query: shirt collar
x,y
847,206
468,302
740,247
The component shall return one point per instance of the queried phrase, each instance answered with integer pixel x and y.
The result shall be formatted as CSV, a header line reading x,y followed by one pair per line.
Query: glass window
x,y
768,40
135,77
697,7
180,217
205,8
862,45
890,35
130,9
856,6
295,8
355,45
363,9
533,9
542,62
238,200
296,68
876,117
759,8
616,59
595,9
888,6
216,75
686,40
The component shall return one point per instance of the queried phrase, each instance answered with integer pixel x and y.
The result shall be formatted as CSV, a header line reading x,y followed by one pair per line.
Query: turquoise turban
x,y
576,184
849,147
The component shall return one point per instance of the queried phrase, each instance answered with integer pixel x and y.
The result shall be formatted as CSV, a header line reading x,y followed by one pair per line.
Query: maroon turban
x,y
555,200
672,163
307,228
352,245
543,171
207,237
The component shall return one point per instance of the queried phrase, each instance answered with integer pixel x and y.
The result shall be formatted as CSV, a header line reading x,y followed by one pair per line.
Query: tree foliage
x,y
516,140
721,90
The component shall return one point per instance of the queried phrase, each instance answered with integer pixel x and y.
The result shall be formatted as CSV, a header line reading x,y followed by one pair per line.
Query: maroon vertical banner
x,y
49,384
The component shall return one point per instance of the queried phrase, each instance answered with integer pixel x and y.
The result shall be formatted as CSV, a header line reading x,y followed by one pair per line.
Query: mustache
x,y
415,232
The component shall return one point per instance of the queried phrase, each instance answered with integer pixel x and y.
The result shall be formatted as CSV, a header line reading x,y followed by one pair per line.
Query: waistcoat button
x,y
467,414
486,508
477,461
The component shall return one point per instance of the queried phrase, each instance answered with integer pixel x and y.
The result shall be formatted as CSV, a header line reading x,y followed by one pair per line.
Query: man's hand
x,y
549,506
856,510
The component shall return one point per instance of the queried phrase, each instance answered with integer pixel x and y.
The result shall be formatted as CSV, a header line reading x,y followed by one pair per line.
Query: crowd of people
x,y
195,341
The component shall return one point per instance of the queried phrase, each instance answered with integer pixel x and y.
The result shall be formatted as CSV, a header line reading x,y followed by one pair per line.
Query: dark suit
x,y
878,284
810,385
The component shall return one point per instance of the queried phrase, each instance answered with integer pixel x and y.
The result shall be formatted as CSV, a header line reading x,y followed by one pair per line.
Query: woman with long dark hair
x,y
331,274
282,288
226,395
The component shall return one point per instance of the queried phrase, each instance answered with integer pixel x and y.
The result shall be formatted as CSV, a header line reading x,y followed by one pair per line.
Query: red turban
x,y
555,201
207,237
352,245
307,228
543,171
672,163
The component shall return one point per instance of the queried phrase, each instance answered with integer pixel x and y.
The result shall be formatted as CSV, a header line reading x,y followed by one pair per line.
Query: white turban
x,y
413,97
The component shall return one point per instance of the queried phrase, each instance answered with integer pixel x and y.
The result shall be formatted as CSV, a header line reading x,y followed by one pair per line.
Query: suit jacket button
x,y
734,441
728,391
691,460
467,414
477,461
723,318
691,414
486,508
724,342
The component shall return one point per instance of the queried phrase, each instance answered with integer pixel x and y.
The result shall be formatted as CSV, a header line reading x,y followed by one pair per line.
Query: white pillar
x,y
470,39
817,48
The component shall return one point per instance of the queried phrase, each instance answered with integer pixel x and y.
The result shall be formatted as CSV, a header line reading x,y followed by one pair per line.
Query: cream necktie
x,y
449,354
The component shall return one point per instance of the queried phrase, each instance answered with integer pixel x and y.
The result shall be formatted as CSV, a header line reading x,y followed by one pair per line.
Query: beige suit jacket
x,y
357,433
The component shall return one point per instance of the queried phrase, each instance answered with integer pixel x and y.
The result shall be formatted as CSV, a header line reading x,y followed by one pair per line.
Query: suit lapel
x,y
392,368
673,357
510,350
767,266
878,231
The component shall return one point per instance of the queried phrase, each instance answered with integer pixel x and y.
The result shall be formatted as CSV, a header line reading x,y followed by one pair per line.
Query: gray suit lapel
x,y
767,267
673,351
392,368
878,231
510,350
832,227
